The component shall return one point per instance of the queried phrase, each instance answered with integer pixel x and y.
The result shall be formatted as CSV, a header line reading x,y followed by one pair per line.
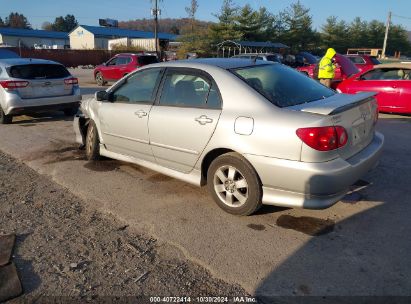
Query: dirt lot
x,y
64,249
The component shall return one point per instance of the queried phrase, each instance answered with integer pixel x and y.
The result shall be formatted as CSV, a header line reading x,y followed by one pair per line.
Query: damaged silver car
x,y
254,132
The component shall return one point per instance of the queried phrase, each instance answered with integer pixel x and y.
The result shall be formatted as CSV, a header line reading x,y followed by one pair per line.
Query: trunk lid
x,y
356,113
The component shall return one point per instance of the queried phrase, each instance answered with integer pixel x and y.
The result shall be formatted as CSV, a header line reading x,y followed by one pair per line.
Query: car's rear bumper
x,y
14,105
313,185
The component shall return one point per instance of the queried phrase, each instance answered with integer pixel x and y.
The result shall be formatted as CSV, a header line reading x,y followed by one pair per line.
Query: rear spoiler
x,y
335,104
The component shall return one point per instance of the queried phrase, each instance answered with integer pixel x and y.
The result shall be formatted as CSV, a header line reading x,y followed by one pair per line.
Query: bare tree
x,y
191,11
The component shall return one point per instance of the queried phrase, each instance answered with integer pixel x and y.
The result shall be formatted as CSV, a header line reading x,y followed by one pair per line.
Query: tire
x,y
5,119
234,184
100,79
70,111
92,142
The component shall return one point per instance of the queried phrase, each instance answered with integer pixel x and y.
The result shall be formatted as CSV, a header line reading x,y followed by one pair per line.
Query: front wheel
x,y
234,184
100,79
5,119
92,142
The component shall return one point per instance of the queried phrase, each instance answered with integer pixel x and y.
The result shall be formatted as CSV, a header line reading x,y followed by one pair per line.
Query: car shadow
x,y
366,254
41,117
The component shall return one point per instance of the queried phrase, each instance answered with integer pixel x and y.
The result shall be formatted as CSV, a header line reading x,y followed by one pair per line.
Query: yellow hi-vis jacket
x,y
326,69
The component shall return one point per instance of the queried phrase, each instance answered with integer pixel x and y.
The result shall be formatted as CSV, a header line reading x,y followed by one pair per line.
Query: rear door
x,y
44,80
124,119
184,118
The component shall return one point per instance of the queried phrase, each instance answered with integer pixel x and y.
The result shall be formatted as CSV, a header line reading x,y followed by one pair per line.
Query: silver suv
x,y
32,85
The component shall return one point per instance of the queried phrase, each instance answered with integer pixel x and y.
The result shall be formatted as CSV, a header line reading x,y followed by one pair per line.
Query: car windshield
x,y
281,85
38,71
273,58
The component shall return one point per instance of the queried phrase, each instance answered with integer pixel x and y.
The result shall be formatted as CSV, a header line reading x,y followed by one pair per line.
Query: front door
x,y
385,81
124,119
184,118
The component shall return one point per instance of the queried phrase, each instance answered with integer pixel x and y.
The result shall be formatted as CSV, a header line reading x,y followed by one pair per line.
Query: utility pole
x,y
387,27
155,12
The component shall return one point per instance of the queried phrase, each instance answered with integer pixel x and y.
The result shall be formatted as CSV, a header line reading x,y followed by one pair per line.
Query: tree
x,y
357,31
249,23
1,22
225,29
191,11
17,20
375,34
61,24
335,34
398,40
299,34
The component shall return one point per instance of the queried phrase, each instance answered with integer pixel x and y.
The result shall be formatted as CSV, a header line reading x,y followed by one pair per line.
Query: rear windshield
x,y
311,59
283,86
273,58
38,71
143,60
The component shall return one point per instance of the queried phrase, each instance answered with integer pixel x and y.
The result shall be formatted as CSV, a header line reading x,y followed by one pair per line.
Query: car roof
x,y
398,65
224,63
133,54
5,53
21,61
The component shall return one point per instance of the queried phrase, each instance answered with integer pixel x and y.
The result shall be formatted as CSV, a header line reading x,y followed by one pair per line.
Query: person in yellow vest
x,y
326,68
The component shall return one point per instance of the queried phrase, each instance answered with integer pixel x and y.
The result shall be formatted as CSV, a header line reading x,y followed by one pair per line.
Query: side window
x,y
373,75
138,88
112,62
357,60
189,90
123,60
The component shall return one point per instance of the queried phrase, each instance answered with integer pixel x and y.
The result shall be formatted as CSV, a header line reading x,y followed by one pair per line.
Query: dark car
x,y
121,65
6,54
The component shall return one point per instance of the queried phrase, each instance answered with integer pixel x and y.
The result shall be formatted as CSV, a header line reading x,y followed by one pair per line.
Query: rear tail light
x,y
72,80
323,138
12,85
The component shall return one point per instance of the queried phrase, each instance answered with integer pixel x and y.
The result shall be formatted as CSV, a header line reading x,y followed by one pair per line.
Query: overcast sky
x,y
89,11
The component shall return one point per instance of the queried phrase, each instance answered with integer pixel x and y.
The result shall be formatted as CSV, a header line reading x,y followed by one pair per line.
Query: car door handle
x,y
140,113
202,120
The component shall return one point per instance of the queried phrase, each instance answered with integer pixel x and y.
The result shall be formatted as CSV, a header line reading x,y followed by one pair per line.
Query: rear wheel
x,y
92,142
5,119
100,79
234,184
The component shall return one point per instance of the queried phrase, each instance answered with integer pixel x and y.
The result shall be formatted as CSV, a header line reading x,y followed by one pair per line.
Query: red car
x,y
120,65
363,62
391,81
345,68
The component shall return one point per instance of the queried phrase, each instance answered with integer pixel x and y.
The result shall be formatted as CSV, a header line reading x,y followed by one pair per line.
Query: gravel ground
x,y
66,250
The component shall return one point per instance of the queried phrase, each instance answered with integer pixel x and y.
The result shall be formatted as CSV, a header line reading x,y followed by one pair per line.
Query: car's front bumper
x,y
313,185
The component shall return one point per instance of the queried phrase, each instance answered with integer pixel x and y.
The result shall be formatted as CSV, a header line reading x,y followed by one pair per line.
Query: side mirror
x,y
101,96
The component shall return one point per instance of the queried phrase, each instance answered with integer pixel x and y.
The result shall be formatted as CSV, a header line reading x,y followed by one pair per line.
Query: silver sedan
x,y
254,132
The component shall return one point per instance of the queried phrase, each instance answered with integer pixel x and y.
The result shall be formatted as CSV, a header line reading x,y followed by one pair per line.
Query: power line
x,y
398,16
